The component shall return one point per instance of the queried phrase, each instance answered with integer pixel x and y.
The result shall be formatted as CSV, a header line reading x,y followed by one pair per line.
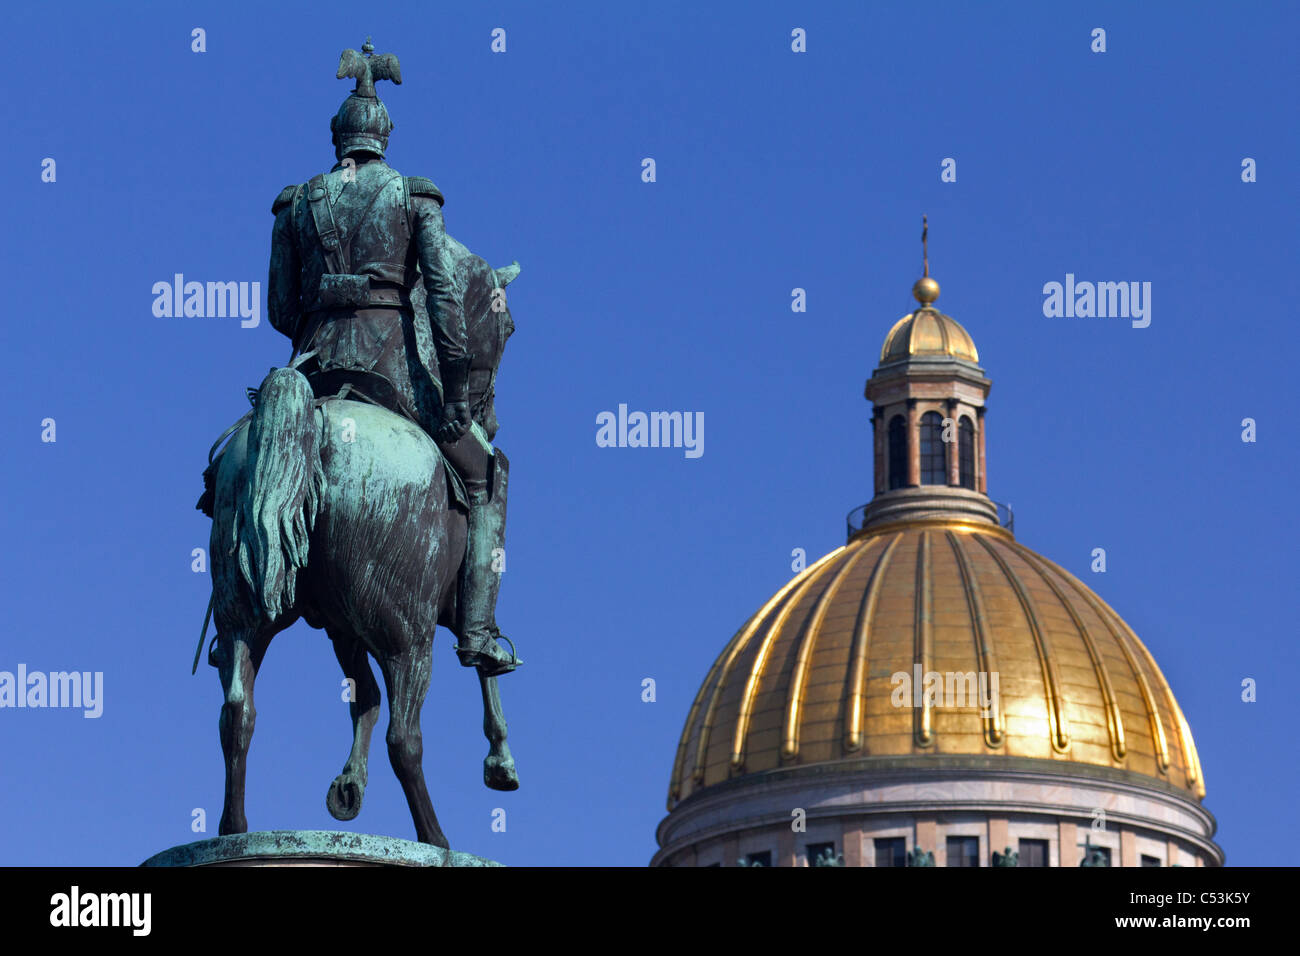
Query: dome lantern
x,y
928,396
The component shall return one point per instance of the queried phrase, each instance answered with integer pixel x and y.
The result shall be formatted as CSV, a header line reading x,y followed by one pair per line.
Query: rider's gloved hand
x,y
456,421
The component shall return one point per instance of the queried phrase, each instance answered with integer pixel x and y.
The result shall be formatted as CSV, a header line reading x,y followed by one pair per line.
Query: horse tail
x,y
284,484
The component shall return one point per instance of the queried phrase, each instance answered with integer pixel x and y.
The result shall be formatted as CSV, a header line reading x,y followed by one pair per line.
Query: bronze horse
x,y
339,512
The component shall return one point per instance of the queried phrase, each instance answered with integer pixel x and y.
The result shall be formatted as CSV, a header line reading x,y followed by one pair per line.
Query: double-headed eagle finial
x,y
367,68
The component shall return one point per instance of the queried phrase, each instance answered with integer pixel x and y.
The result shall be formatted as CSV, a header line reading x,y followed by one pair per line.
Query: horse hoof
x,y
500,775
344,798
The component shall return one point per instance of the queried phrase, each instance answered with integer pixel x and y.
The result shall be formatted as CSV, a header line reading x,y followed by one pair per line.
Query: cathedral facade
x,y
933,692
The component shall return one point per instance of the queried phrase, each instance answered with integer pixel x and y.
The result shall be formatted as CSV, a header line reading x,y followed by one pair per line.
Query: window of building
x,y
966,453
934,467
963,851
758,859
897,452
1033,853
891,851
1150,860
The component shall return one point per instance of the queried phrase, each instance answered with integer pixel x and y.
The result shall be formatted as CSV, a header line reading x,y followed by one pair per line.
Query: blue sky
x,y
775,170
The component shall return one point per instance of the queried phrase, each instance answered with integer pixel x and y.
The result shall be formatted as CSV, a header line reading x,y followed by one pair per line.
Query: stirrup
x,y
488,665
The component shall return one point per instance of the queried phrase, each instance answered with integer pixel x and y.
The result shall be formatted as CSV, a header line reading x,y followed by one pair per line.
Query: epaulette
x,y
282,200
419,186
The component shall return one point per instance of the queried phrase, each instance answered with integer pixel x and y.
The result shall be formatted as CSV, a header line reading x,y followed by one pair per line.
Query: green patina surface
x,y
364,495
328,846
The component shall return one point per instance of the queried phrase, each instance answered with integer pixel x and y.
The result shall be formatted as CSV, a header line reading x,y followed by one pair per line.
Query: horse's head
x,y
479,288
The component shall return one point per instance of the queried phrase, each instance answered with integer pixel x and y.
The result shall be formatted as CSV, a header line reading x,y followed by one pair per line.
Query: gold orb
x,y
926,290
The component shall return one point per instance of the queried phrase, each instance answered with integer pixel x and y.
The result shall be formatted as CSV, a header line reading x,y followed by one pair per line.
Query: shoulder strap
x,y
406,205
323,216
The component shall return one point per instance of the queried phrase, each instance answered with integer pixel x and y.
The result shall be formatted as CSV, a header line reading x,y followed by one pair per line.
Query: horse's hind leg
x,y
346,792
498,765
238,655
407,678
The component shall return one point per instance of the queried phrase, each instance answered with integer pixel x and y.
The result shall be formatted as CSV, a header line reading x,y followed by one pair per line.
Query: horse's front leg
x,y
346,792
498,765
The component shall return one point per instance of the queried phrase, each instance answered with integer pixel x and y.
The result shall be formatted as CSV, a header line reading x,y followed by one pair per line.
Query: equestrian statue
x,y
362,492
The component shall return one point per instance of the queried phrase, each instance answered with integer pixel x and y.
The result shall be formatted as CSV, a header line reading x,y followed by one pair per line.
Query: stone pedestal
x,y
311,848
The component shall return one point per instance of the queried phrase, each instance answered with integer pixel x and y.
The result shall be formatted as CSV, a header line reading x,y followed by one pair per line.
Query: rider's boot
x,y
481,578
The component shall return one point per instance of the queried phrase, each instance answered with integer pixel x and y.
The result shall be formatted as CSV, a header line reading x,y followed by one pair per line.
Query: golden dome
x,y
810,678
927,331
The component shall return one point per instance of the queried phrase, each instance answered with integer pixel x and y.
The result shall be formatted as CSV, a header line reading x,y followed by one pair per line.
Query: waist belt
x,y
389,293
379,294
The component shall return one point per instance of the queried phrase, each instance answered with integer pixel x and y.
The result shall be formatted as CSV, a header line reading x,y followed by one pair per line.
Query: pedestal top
x,y
311,848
